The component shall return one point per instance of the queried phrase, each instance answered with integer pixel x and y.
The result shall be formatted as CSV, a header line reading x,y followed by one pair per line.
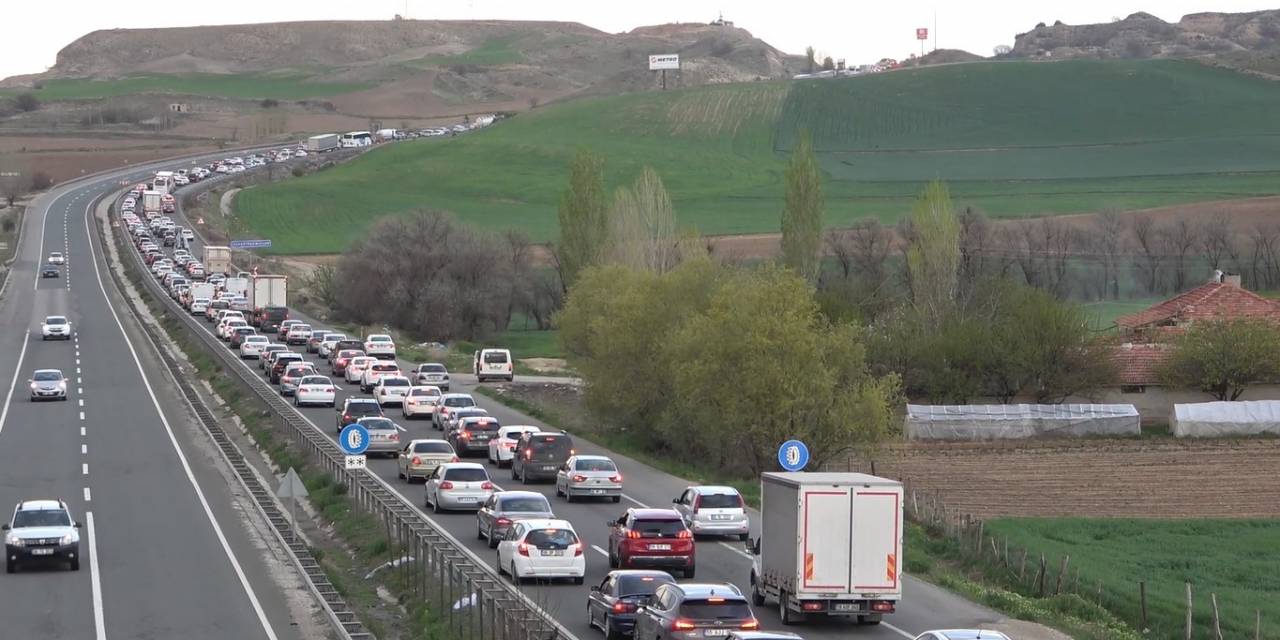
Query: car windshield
x,y
52,320
720,501
432,447
459,402
47,376
551,538
715,609
422,391
315,380
348,353
629,585
525,504
662,528
41,518
466,474
378,424
432,368
364,407
395,382
496,357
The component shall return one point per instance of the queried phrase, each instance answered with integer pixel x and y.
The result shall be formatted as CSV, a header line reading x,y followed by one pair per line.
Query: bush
x,y
269,103
298,172
41,181
8,225
27,102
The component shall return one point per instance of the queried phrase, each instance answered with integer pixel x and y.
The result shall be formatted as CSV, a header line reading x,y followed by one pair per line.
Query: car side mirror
x,y
595,588
676,501
4,527
76,525
338,409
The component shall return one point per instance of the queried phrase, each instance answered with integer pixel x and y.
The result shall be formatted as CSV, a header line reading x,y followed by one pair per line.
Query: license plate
x,y
596,492
659,547
552,552
719,517
42,552
464,499
715,633
549,467
845,606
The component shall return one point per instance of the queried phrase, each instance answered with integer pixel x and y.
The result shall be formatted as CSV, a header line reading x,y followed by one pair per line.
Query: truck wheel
x,y
785,614
757,596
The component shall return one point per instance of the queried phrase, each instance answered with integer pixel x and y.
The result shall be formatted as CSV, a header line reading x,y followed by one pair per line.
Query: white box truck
x,y
268,291
325,142
200,290
151,201
216,259
235,287
830,545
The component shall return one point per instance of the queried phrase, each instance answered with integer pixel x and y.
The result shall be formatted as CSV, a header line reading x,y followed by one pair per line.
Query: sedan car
x,y
710,510
356,366
41,531
962,634
419,401
584,476
55,328
326,345
457,485
384,435
50,271
420,457
298,334
612,604
315,390
56,258
431,373
265,353
502,446
375,371
48,384
293,375
450,402
380,345
251,347
472,434
390,390
238,334
706,610
542,549
502,509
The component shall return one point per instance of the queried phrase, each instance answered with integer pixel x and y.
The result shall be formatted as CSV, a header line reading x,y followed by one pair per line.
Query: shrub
x,y
269,103
27,102
41,181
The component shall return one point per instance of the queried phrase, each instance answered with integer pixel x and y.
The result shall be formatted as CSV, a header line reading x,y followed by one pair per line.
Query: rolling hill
x,y
1013,138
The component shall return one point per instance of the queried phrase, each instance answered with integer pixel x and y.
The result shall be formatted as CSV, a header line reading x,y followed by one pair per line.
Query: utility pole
x,y
935,29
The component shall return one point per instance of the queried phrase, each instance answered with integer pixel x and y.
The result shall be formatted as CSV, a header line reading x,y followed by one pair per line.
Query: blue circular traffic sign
x,y
354,439
793,455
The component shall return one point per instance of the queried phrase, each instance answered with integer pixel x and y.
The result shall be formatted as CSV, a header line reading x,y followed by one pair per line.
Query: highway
x,y
166,551
923,607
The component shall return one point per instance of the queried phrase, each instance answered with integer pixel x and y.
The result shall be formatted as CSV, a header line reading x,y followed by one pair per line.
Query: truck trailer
x,y
324,142
267,291
830,546
151,201
217,259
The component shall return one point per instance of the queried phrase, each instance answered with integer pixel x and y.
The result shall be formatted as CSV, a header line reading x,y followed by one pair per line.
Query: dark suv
x,y
345,345
280,363
539,456
355,408
682,610
268,319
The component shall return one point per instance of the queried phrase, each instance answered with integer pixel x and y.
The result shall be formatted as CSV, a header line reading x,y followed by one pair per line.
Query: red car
x,y
651,539
344,357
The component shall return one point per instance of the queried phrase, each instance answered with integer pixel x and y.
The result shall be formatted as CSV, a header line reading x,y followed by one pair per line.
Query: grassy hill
x,y
1013,138
281,86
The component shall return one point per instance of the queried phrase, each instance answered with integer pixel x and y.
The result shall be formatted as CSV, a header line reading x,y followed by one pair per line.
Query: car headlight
x,y
34,386
13,540
70,538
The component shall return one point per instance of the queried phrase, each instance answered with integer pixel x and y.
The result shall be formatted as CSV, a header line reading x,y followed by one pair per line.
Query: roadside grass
x,y
281,86
492,52
10,224
1234,559
1012,139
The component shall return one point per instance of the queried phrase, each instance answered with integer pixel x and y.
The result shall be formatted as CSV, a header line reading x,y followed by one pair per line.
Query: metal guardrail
x,y
468,595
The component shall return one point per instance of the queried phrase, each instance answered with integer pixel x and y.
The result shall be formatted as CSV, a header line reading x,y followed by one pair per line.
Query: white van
x,y
493,363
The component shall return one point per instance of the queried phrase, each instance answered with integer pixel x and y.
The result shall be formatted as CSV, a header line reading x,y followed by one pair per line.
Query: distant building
x,y
721,22
179,107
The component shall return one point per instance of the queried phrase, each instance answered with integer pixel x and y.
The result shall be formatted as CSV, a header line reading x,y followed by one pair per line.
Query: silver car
x,y
458,485
431,373
48,384
716,511
589,477
420,457
505,508
384,435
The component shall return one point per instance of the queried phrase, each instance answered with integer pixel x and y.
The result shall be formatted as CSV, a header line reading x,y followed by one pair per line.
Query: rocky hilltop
x,y
1232,37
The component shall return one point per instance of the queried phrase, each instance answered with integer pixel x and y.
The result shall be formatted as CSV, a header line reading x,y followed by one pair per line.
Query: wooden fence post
x,y
981,524
1039,582
1217,628
1022,566
1057,585
1188,633
1142,600
1257,624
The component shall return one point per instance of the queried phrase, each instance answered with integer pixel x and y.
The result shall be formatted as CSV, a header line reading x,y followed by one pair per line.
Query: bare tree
x,y
1150,261
839,243
1262,256
1215,239
642,225
1108,240
1180,239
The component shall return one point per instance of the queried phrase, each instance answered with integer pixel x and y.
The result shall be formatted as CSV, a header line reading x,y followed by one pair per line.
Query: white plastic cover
x,y
1017,421
1214,419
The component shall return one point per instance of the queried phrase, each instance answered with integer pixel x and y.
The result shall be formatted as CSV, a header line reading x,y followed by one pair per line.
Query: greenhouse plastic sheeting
x,y
1016,421
1213,419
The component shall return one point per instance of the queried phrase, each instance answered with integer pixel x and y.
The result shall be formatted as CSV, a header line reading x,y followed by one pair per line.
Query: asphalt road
x,y
166,553
923,606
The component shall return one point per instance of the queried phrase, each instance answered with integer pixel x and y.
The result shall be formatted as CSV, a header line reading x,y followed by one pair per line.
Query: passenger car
x,y
50,271
447,403
473,433
281,361
492,363
380,345
503,445
298,334
589,477
962,634
353,409
48,384
684,610
390,389
505,507
266,353
355,368
55,328
313,390
338,363
431,373
456,418
374,372
542,549
419,401
252,346
612,604
384,435
712,510
326,346
654,538
41,531
293,374
55,257
420,457
457,485
539,455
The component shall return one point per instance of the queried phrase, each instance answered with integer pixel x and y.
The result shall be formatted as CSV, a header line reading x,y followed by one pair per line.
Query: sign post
x,y
245,245
793,455
662,62
291,487
922,34
354,441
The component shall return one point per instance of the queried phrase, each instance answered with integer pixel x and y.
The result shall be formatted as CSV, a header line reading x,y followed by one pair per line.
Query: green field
x,y
1102,315
1013,139
281,86
492,52
1236,559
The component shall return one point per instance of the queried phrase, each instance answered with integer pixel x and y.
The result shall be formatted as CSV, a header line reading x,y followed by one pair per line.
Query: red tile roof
x,y
1213,300
1139,364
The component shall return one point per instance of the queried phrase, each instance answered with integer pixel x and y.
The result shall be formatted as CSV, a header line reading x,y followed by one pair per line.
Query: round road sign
x,y
354,439
793,455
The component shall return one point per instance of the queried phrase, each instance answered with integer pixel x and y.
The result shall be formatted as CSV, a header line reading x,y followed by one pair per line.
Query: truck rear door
x,y
852,539
877,525
825,514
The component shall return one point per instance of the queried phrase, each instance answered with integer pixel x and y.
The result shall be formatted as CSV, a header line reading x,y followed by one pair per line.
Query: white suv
x,y
374,372
41,531
55,328
390,389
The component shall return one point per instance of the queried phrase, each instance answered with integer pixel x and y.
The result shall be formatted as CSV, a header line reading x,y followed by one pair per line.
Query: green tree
x,y
26,102
643,225
1054,354
802,211
1224,357
584,225
933,260
810,57
828,64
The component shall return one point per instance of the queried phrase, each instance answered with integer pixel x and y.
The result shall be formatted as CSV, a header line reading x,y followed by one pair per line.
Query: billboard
x,y
922,33
664,61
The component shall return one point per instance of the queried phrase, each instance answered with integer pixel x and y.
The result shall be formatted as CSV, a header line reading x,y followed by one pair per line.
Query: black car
x,y
50,271
472,436
612,604
355,408
539,456
696,607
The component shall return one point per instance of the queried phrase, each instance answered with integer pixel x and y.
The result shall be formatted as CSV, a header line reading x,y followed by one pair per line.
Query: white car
x,y
298,334
229,326
542,549
458,485
375,371
419,401
55,328
356,367
315,390
326,345
188,234
199,306
380,345
56,258
449,403
251,347
390,389
503,446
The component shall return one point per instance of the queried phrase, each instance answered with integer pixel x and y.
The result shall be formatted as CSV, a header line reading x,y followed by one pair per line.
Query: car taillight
x,y
697,503
464,435
346,416
523,549
577,549
417,460
503,521
813,606
487,486
883,606
577,477
751,625
394,436
680,624
528,454
633,535
623,607
446,485
616,478
684,534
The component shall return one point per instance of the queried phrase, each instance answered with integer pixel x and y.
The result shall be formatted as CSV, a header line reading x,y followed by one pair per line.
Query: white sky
x,y
857,31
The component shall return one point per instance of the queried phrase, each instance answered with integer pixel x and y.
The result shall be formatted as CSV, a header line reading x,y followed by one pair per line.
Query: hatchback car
x,y
419,401
41,531
238,335
694,610
473,433
589,477
542,549
716,511
48,384
506,507
450,402
280,362
384,435
55,328
346,344
315,390
652,538
612,604
431,373
390,389
353,409
458,485
50,271
503,445
420,457
538,456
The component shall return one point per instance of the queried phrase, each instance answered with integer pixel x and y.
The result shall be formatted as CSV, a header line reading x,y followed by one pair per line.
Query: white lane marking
x,y
84,449
81,432
173,440
82,402
44,223
77,362
100,627
77,370
79,380
638,503
84,468
897,630
602,551
82,415
400,427
4,413
87,496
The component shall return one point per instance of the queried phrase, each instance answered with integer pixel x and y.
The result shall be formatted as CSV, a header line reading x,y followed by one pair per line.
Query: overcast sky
x,y
858,31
